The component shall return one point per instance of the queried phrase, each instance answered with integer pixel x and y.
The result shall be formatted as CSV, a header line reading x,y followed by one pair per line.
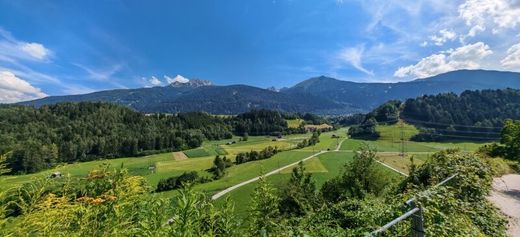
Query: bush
x,y
266,153
177,181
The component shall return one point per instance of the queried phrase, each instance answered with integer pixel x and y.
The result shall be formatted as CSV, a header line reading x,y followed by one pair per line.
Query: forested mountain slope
x,y
470,115
231,99
321,95
362,97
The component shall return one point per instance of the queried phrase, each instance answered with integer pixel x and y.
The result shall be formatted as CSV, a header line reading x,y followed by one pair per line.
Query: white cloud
x,y
443,36
177,78
35,50
464,57
353,56
512,59
493,14
152,81
12,49
14,89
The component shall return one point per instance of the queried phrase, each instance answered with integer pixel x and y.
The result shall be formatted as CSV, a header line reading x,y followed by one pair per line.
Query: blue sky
x,y
72,47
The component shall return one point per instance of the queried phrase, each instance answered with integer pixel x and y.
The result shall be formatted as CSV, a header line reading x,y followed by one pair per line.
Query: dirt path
x,y
506,196
227,190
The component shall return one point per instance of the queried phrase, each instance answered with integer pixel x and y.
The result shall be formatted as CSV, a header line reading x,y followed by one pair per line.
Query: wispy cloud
x,y
100,74
353,56
13,49
443,36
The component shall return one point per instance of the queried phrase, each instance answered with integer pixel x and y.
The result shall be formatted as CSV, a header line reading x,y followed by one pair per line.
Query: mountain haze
x,y
323,95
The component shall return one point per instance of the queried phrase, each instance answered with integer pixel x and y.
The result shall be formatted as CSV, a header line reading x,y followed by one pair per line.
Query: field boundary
x,y
227,190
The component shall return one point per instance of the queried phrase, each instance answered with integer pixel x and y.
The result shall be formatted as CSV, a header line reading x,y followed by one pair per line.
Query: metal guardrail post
x,y
417,228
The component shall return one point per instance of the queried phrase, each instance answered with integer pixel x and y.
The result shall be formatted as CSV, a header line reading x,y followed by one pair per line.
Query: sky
x,y
74,47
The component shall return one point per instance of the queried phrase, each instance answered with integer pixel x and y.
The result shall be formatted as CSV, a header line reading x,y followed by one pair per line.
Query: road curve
x,y
227,190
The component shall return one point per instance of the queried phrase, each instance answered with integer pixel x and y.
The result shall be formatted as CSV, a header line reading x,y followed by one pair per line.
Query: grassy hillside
x,y
166,165
323,167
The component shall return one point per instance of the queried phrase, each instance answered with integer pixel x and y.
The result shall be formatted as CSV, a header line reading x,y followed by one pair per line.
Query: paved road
x,y
227,190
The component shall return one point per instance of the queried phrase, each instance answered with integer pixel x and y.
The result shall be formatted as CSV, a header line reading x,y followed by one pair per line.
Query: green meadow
x,y
323,167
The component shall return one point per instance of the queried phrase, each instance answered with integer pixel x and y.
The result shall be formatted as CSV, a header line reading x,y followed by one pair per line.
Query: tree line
x,y
265,153
472,115
35,139
364,126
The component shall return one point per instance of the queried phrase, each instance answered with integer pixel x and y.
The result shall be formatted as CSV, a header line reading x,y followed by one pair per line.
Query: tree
x,y
361,177
298,197
4,169
264,209
219,167
511,139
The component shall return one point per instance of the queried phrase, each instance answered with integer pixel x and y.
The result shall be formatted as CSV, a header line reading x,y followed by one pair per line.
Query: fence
x,y
417,226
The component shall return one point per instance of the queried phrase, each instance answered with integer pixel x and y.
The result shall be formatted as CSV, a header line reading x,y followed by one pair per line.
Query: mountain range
x,y
322,95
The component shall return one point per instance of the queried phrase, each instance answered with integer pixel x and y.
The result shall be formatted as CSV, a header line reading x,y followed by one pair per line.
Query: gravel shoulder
x,y
506,196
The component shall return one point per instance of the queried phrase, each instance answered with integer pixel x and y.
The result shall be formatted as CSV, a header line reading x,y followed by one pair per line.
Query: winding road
x,y
227,190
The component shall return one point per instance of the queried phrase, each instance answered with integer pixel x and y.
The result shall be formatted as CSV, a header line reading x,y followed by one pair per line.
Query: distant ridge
x,y
365,96
323,95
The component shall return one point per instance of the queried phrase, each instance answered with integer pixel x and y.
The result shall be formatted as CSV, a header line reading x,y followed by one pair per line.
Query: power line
x,y
449,124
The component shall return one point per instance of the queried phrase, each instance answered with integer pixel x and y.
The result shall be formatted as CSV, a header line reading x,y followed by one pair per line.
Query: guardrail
x,y
417,227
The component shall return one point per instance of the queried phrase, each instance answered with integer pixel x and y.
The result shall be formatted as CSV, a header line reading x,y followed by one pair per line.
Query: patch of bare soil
x,y
179,156
506,196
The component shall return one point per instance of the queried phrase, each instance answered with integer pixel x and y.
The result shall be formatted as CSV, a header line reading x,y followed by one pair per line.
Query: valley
x,y
273,118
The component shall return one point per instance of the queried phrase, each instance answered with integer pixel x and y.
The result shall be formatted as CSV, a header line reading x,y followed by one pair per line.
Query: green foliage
x,y
264,210
3,165
458,208
511,139
219,166
176,182
387,113
472,115
114,204
266,153
361,178
299,196
262,122
366,130
313,140
63,133
473,175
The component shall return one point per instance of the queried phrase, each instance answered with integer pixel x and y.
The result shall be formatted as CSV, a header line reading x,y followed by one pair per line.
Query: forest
x,y
35,139
472,115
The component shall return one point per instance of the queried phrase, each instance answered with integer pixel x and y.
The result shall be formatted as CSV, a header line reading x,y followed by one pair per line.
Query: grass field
x,y
389,146
294,123
323,167
166,165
